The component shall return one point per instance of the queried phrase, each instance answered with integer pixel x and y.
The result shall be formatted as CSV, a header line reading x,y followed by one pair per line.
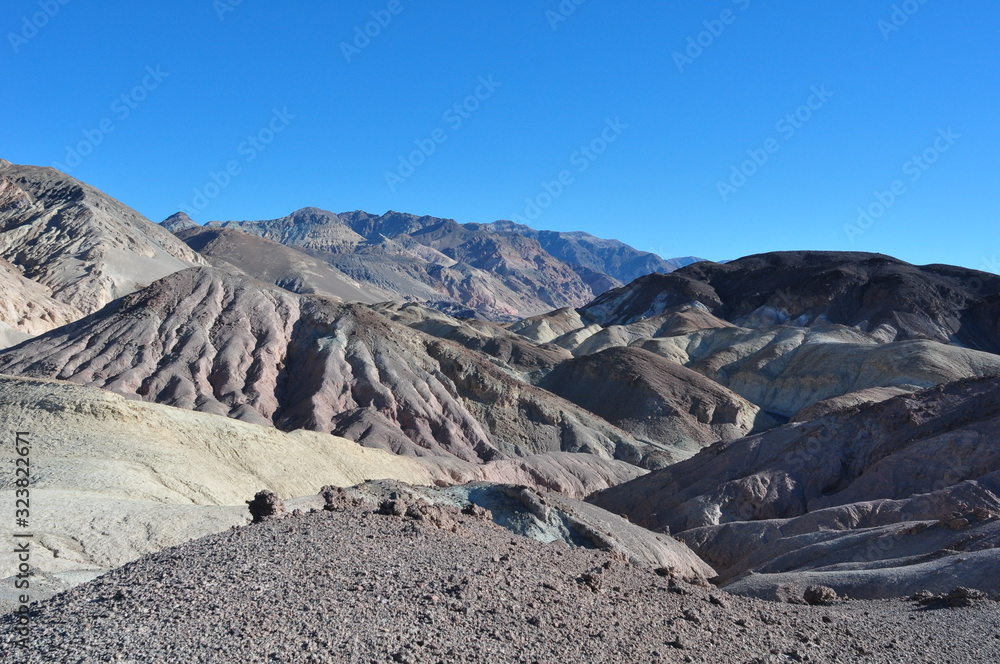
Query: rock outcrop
x,y
539,515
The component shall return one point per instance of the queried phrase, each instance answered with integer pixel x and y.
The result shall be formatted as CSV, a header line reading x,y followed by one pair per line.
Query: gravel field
x,y
354,586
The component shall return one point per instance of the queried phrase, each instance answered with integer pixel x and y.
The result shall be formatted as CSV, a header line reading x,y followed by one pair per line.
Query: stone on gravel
x,y
819,595
266,505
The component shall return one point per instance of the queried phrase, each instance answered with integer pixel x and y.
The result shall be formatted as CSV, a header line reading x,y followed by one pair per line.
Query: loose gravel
x,y
355,586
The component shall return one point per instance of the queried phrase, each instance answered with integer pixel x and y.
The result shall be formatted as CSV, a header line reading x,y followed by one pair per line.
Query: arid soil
x,y
355,586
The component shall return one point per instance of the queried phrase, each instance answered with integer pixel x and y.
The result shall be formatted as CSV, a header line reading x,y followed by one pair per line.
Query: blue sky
x,y
664,124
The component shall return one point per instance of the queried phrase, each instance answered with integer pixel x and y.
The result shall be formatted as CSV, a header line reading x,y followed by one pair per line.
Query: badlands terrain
x,y
492,443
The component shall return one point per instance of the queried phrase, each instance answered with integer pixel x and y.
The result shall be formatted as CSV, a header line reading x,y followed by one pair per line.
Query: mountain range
x,y
784,420
500,271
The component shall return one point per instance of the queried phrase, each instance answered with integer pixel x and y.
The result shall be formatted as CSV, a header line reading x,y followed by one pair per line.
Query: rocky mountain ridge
x,y
808,417
877,294
501,271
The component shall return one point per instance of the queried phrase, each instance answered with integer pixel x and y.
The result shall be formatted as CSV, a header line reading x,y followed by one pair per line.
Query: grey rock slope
x,y
523,358
178,222
875,500
28,308
539,515
275,263
886,297
655,399
83,246
438,261
784,370
213,341
616,259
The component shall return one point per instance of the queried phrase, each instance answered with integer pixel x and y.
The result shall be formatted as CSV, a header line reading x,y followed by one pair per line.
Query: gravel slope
x,y
353,586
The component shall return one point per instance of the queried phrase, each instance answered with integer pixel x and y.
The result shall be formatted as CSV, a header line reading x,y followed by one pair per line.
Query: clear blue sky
x,y
656,185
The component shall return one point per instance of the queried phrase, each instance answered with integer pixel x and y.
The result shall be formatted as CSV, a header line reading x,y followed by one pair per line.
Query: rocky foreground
x,y
422,584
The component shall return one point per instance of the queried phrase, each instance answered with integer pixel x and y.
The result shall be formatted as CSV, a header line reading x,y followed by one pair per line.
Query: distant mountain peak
x,y
178,222
311,210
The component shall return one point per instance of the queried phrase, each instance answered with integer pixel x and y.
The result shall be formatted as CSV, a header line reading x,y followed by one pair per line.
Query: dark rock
x,y
266,505
819,595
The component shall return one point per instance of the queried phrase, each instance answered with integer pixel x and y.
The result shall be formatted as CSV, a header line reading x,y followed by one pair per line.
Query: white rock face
x,y
28,307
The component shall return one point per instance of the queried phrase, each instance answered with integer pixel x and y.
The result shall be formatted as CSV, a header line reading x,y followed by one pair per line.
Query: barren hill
x,y
214,341
499,271
878,294
781,369
352,586
874,500
117,479
654,398
80,245
276,263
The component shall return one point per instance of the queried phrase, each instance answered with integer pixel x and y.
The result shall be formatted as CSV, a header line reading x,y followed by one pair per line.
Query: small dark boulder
x,y
820,595
266,505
